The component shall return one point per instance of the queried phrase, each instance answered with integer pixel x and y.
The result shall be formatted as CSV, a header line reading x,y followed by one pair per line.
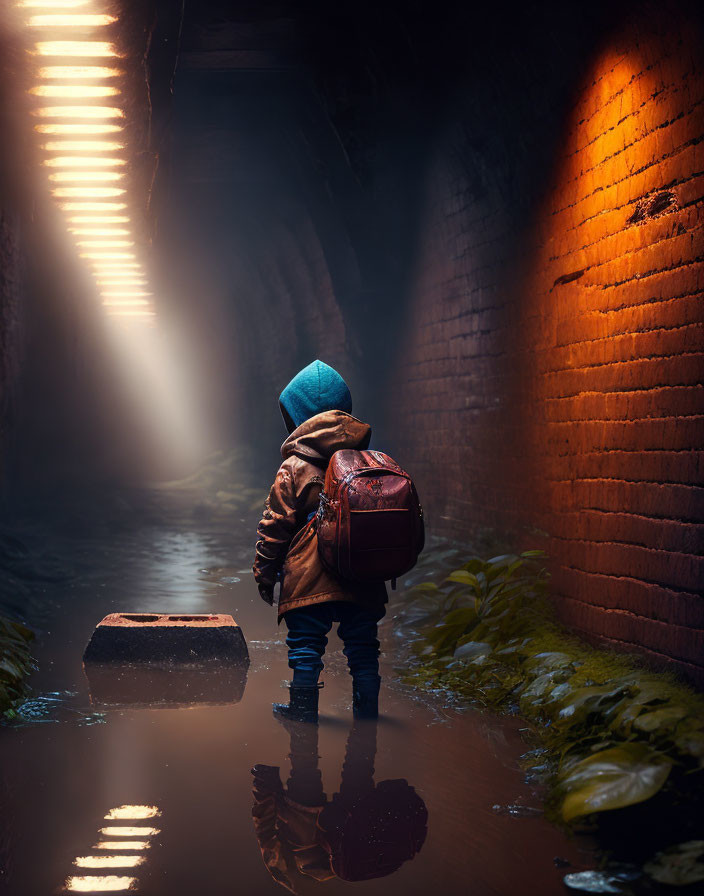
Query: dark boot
x,y
302,705
365,700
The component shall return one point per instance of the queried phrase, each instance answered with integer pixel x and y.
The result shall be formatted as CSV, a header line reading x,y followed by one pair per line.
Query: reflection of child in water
x,y
366,830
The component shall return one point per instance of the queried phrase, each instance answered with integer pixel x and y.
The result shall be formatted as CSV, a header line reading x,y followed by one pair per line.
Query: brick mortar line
x,y
667,385
634,332
639,647
666,552
631,420
543,373
644,391
555,259
652,272
587,91
652,300
694,141
635,516
664,485
668,519
626,612
684,114
625,205
619,479
579,319
677,592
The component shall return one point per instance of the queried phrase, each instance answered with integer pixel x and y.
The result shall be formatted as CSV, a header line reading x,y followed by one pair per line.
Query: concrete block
x,y
167,638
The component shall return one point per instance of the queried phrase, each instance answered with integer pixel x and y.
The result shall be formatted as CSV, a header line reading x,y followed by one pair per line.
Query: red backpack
x,y
369,522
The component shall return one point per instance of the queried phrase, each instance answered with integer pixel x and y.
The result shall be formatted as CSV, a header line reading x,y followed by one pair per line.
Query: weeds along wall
x,y
553,362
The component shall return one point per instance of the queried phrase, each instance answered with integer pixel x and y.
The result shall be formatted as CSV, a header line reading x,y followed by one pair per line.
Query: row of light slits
x,y
80,120
116,857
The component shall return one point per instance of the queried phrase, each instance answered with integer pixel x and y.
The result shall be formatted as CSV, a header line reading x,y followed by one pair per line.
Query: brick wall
x,y
554,354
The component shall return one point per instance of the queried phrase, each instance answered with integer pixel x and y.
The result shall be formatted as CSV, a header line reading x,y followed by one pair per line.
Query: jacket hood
x,y
319,437
313,390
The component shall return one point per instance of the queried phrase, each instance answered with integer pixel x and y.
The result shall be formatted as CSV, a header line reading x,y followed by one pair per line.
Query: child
x,y
316,407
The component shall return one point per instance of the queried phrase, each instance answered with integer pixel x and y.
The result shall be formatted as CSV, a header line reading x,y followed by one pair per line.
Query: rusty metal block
x,y
159,638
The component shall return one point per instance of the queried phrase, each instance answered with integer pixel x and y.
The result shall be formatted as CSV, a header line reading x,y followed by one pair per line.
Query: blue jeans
x,y
307,638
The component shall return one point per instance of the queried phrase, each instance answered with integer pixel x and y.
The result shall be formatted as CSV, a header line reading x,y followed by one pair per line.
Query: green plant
x,y
15,662
616,732
481,602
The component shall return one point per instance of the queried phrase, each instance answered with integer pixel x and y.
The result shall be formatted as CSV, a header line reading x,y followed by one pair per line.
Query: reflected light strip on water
x,y
73,90
78,72
98,231
83,161
84,146
122,844
109,861
83,128
93,206
102,883
129,831
98,219
92,884
88,192
121,279
79,90
70,48
53,4
70,20
78,112
105,244
63,177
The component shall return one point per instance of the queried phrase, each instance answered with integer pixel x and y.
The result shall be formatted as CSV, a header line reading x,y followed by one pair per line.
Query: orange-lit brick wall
x,y
553,367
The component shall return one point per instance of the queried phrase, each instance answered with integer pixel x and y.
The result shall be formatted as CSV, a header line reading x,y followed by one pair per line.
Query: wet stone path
x,y
160,797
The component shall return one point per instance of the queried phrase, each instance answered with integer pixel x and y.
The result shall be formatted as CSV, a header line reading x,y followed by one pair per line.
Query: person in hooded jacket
x,y
317,410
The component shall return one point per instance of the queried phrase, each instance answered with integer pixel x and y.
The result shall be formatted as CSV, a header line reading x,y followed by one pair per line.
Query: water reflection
x,y
108,861
132,813
365,831
113,883
172,686
172,577
110,883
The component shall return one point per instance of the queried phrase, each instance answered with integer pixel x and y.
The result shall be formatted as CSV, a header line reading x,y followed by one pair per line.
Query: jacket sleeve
x,y
278,525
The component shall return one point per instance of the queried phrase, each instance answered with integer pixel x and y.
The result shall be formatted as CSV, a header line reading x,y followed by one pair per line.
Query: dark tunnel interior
x,y
489,218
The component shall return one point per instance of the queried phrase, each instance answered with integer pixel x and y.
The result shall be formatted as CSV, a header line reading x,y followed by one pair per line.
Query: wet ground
x,y
443,823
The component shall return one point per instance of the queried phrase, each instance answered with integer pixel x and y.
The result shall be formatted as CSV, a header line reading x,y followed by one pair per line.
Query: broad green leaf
x,y
667,717
584,701
692,744
549,659
678,866
502,560
462,577
6,665
612,779
473,651
474,565
461,616
22,630
538,688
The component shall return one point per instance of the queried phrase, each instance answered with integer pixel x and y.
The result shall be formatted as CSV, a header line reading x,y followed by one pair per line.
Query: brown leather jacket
x,y
287,540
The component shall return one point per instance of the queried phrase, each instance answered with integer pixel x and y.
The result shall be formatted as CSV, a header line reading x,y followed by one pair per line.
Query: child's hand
x,y
266,592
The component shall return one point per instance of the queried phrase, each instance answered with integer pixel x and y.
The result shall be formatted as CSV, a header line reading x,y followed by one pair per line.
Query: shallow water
x,y
67,762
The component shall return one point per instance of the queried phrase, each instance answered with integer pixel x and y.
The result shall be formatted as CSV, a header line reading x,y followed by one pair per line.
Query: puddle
x,y
428,799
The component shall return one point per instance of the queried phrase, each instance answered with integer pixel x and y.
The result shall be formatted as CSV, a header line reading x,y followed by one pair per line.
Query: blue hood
x,y
316,388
